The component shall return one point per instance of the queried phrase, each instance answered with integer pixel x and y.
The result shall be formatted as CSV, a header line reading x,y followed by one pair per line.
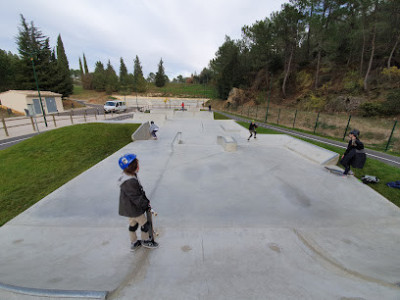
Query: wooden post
x,y
72,121
33,124
54,120
84,115
4,125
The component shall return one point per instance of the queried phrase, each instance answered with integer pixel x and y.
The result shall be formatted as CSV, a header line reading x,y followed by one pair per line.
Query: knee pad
x,y
145,227
133,228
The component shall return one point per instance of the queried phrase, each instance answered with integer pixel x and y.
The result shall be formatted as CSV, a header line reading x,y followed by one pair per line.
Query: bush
x,y
303,80
371,109
392,75
353,83
392,104
311,101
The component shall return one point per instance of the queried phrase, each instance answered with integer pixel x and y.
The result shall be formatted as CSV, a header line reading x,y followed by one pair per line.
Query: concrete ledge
x,y
142,133
158,117
230,126
65,294
312,152
227,142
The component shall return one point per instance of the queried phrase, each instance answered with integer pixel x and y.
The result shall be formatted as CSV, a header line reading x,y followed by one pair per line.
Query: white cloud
x,y
185,34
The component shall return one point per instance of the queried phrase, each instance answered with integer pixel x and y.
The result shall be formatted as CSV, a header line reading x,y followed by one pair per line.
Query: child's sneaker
x,y
136,245
150,244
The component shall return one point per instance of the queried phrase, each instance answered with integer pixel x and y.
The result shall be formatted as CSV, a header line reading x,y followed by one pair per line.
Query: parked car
x,y
114,106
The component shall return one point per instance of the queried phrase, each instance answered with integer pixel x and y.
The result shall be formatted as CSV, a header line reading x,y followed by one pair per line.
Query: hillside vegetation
x,y
319,55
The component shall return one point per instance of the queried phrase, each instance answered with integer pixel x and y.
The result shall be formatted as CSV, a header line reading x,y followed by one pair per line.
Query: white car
x,y
114,106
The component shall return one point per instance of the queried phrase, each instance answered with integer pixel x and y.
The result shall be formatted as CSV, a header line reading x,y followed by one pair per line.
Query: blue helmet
x,y
126,160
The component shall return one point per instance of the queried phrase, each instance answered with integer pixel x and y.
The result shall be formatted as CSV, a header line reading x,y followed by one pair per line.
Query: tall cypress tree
x,y
139,81
123,75
85,64
86,77
80,68
65,86
160,75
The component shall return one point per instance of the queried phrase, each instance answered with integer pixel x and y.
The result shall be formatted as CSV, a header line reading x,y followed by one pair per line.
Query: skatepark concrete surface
x,y
266,221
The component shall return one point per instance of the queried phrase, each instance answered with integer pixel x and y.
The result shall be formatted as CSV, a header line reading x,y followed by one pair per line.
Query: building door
x,y
51,105
36,105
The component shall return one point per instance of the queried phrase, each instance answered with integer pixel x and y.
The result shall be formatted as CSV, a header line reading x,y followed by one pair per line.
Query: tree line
x,y
53,72
105,79
35,53
310,40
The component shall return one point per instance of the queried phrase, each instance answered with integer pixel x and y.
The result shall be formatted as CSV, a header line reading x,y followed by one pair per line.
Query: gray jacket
x,y
132,198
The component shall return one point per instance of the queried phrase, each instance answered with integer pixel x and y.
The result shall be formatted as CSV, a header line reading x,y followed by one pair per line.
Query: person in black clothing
x,y
355,154
252,129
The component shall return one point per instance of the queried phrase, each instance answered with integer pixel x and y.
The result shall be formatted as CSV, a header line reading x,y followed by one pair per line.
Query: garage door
x,y
51,105
36,105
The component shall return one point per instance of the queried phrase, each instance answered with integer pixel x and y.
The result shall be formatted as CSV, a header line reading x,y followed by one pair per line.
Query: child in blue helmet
x,y
133,202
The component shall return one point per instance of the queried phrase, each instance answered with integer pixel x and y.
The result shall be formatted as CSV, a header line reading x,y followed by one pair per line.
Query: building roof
x,y
32,93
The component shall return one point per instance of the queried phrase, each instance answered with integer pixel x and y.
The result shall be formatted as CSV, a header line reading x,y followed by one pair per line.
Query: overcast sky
x,y
186,34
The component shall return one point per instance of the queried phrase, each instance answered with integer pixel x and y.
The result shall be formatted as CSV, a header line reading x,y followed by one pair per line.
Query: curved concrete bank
x,y
264,222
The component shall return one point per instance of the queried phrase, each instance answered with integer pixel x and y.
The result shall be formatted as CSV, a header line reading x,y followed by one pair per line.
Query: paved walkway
x,y
264,222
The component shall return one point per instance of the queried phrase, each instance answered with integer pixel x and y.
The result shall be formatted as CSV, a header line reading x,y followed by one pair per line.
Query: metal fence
x,y
378,133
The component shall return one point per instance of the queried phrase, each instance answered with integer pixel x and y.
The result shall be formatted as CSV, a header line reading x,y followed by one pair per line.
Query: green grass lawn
x,y
373,167
35,167
218,116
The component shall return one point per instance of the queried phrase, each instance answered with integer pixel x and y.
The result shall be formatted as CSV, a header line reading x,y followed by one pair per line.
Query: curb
x,y
54,293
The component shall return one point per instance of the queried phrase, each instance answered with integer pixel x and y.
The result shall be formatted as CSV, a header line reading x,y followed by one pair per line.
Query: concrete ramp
x,y
263,222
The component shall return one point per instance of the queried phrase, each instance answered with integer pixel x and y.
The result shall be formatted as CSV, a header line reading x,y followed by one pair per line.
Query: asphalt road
x,y
383,157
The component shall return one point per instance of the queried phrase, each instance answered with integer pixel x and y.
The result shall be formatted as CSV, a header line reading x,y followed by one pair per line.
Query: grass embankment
x,y
373,167
35,167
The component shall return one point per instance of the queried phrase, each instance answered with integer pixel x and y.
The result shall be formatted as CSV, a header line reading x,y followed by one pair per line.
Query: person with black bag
x,y
133,202
355,154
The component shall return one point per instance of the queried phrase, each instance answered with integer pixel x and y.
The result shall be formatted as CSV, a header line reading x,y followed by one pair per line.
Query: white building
x,y
28,101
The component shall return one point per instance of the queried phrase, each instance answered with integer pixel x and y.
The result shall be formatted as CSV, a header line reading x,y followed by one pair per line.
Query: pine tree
x,y
32,45
65,86
111,79
160,75
99,77
8,64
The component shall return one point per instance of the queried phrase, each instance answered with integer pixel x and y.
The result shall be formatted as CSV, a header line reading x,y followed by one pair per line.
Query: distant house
x,y
28,101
